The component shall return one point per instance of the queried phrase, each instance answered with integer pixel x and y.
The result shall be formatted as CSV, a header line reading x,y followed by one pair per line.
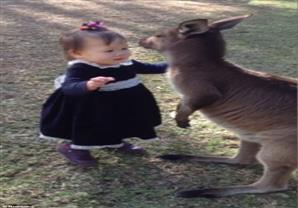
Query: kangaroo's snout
x,y
145,43
160,41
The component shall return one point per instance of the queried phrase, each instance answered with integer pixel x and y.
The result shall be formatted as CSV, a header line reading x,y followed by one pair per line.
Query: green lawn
x,y
32,173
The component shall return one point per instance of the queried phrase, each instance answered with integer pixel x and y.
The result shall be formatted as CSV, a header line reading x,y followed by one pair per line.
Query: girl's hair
x,y
74,39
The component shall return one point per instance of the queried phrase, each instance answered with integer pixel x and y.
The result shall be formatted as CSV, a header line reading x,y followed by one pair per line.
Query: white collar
x,y
126,63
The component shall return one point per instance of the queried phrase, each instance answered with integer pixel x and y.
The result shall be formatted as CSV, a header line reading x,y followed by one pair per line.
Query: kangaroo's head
x,y
207,35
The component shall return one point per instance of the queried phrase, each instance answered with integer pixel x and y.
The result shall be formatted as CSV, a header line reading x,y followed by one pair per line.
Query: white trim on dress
x,y
124,84
77,61
82,147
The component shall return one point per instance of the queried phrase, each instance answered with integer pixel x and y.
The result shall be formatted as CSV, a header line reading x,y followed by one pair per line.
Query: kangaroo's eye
x,y
159,36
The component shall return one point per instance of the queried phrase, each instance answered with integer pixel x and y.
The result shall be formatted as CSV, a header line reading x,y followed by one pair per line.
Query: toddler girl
x,y
101,101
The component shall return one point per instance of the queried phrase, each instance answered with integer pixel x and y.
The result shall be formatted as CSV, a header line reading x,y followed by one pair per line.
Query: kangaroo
x,y
259,107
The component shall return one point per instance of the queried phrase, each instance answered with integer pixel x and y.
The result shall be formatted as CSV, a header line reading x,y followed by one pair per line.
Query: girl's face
x,y
98,52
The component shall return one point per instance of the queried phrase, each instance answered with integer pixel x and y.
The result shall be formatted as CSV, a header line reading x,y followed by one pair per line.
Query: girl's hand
x,y
97,82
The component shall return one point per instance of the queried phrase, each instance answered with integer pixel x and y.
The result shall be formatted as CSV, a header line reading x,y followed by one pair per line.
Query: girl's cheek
x,y
128,53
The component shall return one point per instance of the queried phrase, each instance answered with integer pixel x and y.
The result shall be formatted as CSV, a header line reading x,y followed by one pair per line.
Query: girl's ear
x,y
74,53
228,23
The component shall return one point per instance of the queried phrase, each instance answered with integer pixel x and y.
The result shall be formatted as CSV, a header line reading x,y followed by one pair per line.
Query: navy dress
x,y
121,109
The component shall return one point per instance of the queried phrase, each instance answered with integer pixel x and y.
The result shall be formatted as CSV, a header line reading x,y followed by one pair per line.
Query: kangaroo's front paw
x,y
183,123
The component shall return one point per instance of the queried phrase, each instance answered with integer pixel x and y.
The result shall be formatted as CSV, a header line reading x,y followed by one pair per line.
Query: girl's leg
x,y
76,156
131,149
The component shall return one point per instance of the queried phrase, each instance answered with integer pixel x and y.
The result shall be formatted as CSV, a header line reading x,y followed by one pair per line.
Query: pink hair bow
x,y
92,25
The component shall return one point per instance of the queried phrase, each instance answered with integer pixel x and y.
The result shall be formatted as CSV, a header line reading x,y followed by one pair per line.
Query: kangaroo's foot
x,y
246,156
228,191
205,159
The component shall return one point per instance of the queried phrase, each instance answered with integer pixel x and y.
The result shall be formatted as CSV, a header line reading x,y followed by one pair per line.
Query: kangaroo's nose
x,y
142,41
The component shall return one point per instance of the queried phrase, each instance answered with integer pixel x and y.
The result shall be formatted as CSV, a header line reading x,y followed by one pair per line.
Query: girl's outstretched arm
x,y
146,68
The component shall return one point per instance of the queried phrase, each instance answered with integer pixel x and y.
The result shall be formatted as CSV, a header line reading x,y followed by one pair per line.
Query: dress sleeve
x,y
146,68
75,83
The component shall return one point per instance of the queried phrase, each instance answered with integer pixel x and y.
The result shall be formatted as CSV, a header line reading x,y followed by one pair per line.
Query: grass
x,y
277,4
33,174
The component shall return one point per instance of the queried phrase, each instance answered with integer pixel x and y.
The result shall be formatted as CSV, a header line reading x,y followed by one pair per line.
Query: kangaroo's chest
x,y
175,79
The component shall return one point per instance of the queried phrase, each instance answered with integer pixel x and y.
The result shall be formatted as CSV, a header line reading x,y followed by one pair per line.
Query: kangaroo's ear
x,y
191,27
228,23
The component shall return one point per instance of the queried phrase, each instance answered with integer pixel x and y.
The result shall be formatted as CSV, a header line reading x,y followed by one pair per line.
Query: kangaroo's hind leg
x,y
279,159
246,155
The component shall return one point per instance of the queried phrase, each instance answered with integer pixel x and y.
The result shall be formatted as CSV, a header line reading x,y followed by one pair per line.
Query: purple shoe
x,y
76,157
131,149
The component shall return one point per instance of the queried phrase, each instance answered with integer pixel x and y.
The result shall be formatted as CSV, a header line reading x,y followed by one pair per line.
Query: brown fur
x,y
259,107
